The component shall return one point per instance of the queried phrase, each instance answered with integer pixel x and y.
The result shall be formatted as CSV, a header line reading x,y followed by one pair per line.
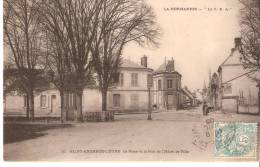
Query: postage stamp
x,y
235,139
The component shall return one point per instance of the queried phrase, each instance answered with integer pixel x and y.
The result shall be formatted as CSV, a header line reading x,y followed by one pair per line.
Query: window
x,y
115,78
43,101
116,100
72,100
169,83
134,79
159,84
121,79
134,100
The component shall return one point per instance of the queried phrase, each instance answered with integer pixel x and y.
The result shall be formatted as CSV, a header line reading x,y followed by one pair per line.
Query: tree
x,y
22,35
71,27
13,84
120,22
250,31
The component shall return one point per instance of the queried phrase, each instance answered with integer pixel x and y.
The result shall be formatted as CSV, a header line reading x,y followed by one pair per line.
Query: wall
x,y
127,92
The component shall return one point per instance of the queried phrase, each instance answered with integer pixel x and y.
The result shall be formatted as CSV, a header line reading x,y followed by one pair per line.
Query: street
x,y
169,136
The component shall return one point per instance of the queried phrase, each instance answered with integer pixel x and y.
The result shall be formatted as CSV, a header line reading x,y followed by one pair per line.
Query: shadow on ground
x,y
16,132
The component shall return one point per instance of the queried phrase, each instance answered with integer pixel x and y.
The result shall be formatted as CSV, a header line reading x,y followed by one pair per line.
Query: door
x,y
171,101
116,100
53,102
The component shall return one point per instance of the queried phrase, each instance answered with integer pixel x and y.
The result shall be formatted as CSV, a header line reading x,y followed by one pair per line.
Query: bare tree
x,y
21,34
72,26
120,22
250,48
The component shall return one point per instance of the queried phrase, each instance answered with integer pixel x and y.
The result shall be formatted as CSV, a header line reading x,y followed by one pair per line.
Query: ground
x,y
169,136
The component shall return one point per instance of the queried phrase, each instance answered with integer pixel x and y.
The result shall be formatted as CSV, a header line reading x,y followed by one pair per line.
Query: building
x,y
131,93
232,89
187,98
167,86
47,103
137,89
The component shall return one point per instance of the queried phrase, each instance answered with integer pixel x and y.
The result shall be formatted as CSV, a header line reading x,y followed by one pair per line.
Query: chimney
x,y
237,42
170,66
144,61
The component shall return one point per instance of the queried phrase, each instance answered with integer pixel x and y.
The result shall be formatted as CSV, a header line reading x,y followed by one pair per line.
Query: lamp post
x,y
149,85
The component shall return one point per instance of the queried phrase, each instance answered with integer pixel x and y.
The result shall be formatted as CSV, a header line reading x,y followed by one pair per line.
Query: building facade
x,y
47,103
131,93
235,91
167,87
137,89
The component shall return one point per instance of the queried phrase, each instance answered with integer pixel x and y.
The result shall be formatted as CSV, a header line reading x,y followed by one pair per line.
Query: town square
x,y
131,80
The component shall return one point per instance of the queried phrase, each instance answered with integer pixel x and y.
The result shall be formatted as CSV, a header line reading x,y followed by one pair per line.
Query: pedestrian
x,y
205,106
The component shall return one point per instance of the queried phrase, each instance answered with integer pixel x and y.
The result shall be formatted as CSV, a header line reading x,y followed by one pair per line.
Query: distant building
x,y
188,98
232,89
167,86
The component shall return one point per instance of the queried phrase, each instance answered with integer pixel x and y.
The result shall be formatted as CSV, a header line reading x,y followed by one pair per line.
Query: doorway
x,y
53,101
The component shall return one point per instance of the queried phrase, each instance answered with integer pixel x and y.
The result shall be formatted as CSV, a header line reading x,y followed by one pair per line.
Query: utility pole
x,y
149,105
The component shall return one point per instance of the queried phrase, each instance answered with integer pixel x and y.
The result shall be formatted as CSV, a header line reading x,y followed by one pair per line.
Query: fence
x,y
98,116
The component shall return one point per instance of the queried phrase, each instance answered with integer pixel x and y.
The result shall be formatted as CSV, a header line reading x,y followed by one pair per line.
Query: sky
x,y
197,40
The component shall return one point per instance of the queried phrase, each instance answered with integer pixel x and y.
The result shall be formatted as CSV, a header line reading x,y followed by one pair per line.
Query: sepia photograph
x,y
131,80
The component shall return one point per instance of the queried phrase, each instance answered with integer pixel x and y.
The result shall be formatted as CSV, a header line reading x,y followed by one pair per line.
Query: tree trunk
x,y
79,106
62,106
104,100
31,96
27,107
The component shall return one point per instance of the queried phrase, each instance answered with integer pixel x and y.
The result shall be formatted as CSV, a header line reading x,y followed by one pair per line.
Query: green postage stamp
x,y
235,139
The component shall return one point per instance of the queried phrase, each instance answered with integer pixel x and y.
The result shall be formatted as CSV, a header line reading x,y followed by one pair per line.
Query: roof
x,y
233,59
126,63
162,69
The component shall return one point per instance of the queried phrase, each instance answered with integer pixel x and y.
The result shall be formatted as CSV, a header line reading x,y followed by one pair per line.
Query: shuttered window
x,y
43,101
121,79
169,83
116,100
134,79
134,100
159,85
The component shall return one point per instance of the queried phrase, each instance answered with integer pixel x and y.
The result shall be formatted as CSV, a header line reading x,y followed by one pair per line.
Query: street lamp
x,y
149,85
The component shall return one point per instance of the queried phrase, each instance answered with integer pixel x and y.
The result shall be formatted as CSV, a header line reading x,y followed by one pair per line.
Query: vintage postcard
x,y
131,80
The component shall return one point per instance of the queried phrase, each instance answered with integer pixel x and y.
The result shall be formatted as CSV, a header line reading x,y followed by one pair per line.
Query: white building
x,y
237,91
131,93
47,103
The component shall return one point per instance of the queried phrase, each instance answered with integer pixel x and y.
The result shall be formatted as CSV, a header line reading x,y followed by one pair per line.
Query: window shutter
x,y
48,100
